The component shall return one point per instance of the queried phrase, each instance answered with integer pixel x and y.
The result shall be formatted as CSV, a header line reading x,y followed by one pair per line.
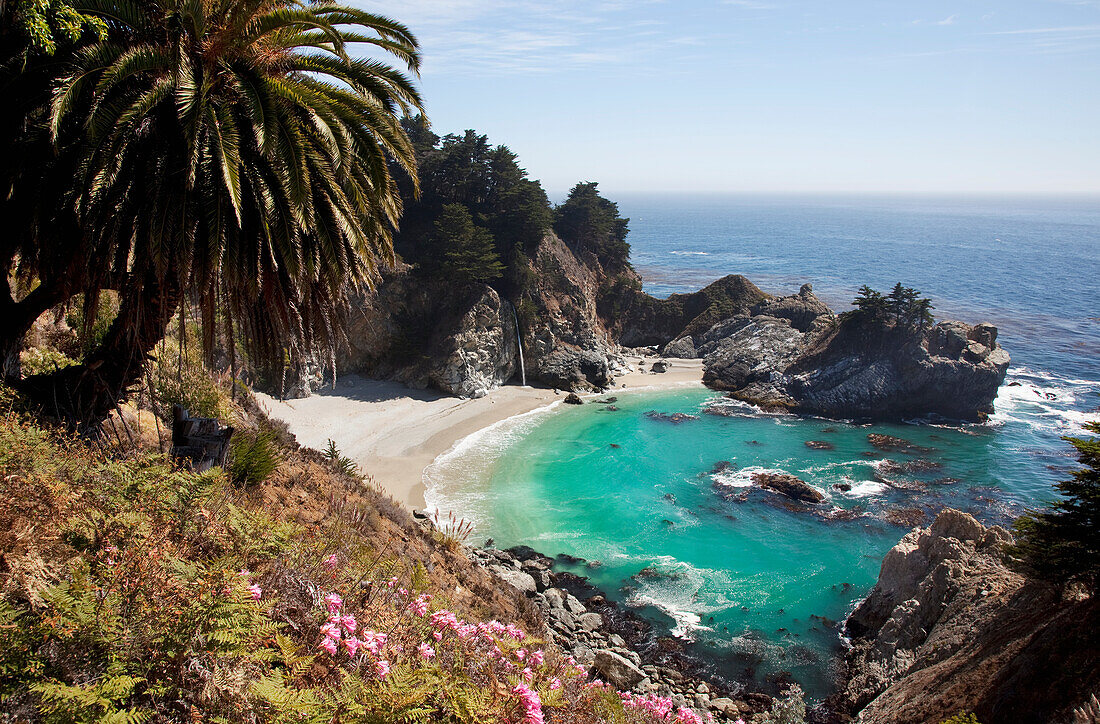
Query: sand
x,y
394,432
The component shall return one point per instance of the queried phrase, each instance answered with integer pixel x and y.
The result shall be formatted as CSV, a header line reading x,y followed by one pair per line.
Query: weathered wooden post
x,y
201,441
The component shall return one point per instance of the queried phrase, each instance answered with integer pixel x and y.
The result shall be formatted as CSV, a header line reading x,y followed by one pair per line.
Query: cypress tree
x,y
1062,543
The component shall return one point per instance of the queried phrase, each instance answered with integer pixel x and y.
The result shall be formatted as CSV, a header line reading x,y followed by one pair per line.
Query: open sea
x,y
664,512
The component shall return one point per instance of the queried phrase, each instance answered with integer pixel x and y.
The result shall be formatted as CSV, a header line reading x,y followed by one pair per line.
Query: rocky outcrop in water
x,y
792,354
949,627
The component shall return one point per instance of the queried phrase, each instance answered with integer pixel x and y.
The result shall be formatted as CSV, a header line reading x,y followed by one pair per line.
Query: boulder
x,y
518,579
617,670
682,348
658,367
573,399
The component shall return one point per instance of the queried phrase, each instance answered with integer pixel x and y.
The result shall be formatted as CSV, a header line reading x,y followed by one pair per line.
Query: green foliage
x,y
341,462
903,306
92,317
508,211
43,360
46,23
962,718
468,253
180,378
1062,542
253,456
589,222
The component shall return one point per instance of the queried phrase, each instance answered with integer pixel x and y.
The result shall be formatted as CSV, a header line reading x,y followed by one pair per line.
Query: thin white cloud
x,y
948,20
1044,31
462,37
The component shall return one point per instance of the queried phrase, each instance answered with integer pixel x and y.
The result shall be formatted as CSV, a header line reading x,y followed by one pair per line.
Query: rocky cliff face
x,y
792,353
641,320
461,341
565,342
949,628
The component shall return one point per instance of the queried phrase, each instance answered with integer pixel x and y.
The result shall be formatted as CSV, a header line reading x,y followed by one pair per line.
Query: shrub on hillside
x,y
252,456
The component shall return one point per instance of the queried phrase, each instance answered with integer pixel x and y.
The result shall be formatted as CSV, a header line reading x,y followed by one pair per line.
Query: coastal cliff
x,y
950,627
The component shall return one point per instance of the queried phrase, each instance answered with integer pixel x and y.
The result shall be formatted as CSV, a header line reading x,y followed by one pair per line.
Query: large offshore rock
x,y
809,361
887,373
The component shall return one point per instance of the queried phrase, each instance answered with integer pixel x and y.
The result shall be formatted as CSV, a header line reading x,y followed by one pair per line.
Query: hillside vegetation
x,y
134,590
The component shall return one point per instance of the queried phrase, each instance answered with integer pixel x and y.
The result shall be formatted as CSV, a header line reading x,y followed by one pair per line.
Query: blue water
x,y
665,511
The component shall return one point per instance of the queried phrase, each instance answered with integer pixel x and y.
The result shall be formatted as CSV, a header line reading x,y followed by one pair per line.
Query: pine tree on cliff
x,y
1062,543
467,251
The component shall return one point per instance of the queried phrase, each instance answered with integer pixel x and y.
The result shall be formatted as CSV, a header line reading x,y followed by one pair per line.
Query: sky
x,y
772,96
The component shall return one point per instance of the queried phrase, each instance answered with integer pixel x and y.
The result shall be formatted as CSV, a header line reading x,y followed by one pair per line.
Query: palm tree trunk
x,y
83,395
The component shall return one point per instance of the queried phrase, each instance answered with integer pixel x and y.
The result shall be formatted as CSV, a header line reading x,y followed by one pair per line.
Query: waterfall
x,y
519,345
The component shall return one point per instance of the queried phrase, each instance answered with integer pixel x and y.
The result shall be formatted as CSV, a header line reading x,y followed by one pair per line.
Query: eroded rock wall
x,y
949,627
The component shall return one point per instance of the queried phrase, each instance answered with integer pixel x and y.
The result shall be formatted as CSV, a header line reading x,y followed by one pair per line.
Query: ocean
x,y
663,512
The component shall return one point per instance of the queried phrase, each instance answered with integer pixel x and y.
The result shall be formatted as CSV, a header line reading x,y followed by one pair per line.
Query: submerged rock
x,y
573,399
675,418
820,445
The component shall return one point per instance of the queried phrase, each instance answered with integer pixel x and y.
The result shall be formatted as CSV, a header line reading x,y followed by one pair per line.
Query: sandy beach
x,y
394,432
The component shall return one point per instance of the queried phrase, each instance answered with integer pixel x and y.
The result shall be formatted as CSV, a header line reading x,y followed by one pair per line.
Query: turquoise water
x,y
756,587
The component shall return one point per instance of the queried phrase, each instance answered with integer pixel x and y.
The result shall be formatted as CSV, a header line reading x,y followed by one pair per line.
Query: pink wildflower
x,y
352,644
426,652
244,573
348,623
437,635
328,645
333,602
382,668
687,716
521,654
555,684
536,658
420,605
331,630
532,704
331,562
373,641
256,592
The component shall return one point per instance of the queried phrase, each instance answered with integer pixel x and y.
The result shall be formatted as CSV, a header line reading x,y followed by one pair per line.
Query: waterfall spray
x,y
519,345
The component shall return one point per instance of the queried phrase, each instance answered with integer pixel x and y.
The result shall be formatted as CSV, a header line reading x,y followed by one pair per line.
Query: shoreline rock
x,y
615,643
949,627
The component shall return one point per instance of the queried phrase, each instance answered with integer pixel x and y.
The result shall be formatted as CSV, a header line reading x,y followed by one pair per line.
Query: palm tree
x,y
232,156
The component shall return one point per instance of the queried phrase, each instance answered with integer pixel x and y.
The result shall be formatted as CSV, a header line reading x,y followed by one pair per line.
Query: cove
x,y
667,518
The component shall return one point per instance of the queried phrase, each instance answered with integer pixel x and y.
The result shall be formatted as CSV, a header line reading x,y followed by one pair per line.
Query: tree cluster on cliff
x,y
223,159
506,214
477,213
903,307
589,223
1062,543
